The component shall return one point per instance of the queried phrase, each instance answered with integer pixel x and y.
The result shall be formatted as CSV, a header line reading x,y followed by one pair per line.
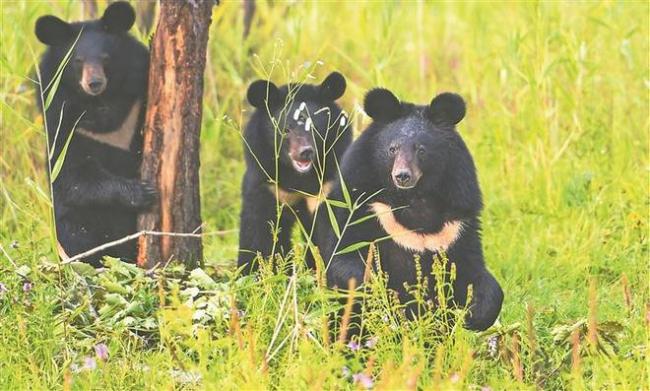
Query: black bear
x,y
97,193
415,183
291,144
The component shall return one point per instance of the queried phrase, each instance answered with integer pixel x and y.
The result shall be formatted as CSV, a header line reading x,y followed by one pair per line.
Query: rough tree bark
x,y
172,129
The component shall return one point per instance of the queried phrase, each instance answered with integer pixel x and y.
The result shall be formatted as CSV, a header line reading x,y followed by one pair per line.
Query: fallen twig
x,y
135,236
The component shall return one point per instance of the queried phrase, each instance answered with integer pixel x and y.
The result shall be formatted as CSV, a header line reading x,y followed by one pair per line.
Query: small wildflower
x,y
101,350
3,289
454,378
89,364
493,344
364,380
354,346
486,388
346,371
372,342
27,286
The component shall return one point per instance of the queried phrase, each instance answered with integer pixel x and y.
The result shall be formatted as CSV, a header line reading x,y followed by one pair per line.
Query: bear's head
x,y
305,119
418,150
98,58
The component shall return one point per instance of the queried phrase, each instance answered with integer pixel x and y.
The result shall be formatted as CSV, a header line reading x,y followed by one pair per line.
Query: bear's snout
x,y
403,177
405,173
301,153
93,79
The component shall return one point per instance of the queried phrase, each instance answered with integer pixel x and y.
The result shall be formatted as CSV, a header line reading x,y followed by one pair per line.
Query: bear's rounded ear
x,y
447,108
118,17
262,91
333,87
53,31
381,105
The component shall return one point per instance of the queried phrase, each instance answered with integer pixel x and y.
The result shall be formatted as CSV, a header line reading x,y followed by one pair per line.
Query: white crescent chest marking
x,y
414,241
290,197
121,137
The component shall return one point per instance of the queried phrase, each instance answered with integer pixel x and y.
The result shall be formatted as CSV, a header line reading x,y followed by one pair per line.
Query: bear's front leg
x,y
90,184
258,221
487,298
344,268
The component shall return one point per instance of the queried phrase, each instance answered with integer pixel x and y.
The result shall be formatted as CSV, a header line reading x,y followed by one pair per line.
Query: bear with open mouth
x,y
291,145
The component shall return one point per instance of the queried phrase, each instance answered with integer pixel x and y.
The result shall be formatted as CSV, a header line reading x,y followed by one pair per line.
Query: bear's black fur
x,y
293,139
411,164
97,194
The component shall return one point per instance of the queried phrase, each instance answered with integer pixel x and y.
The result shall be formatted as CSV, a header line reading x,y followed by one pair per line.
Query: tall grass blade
x,y
61,158
54,83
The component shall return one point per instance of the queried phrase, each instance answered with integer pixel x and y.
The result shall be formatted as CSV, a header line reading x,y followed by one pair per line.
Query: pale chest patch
x,y
415,241
122,136
292,197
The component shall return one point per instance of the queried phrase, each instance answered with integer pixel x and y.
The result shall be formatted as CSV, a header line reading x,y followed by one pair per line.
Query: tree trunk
x,y
171,132
89,9
249,12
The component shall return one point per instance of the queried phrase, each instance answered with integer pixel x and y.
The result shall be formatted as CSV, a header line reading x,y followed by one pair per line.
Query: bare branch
x,y
139,234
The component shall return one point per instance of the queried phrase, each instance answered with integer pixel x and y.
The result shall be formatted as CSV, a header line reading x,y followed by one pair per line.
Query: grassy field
x,y
558,120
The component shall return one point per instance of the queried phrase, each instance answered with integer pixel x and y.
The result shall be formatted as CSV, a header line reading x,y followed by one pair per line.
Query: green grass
x,y
557,122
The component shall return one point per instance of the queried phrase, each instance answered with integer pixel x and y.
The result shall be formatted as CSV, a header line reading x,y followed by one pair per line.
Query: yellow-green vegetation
x,y
557,122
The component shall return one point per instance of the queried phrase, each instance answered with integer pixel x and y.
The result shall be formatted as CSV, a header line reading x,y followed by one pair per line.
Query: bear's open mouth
x,y
302,166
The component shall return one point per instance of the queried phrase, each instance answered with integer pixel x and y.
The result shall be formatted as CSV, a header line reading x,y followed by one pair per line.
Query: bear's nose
x,y
306,153
403,177
96,85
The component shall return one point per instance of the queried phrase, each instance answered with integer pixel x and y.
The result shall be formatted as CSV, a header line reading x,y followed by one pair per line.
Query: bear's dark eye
x,y
421,151
392,149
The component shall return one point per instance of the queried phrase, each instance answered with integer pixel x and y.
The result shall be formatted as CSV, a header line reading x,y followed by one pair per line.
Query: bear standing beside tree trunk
x,y
97,193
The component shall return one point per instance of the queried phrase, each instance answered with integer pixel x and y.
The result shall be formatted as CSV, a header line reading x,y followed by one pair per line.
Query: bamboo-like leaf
x,y
362,219
353,247
370,216
344,188
338,204
332,217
